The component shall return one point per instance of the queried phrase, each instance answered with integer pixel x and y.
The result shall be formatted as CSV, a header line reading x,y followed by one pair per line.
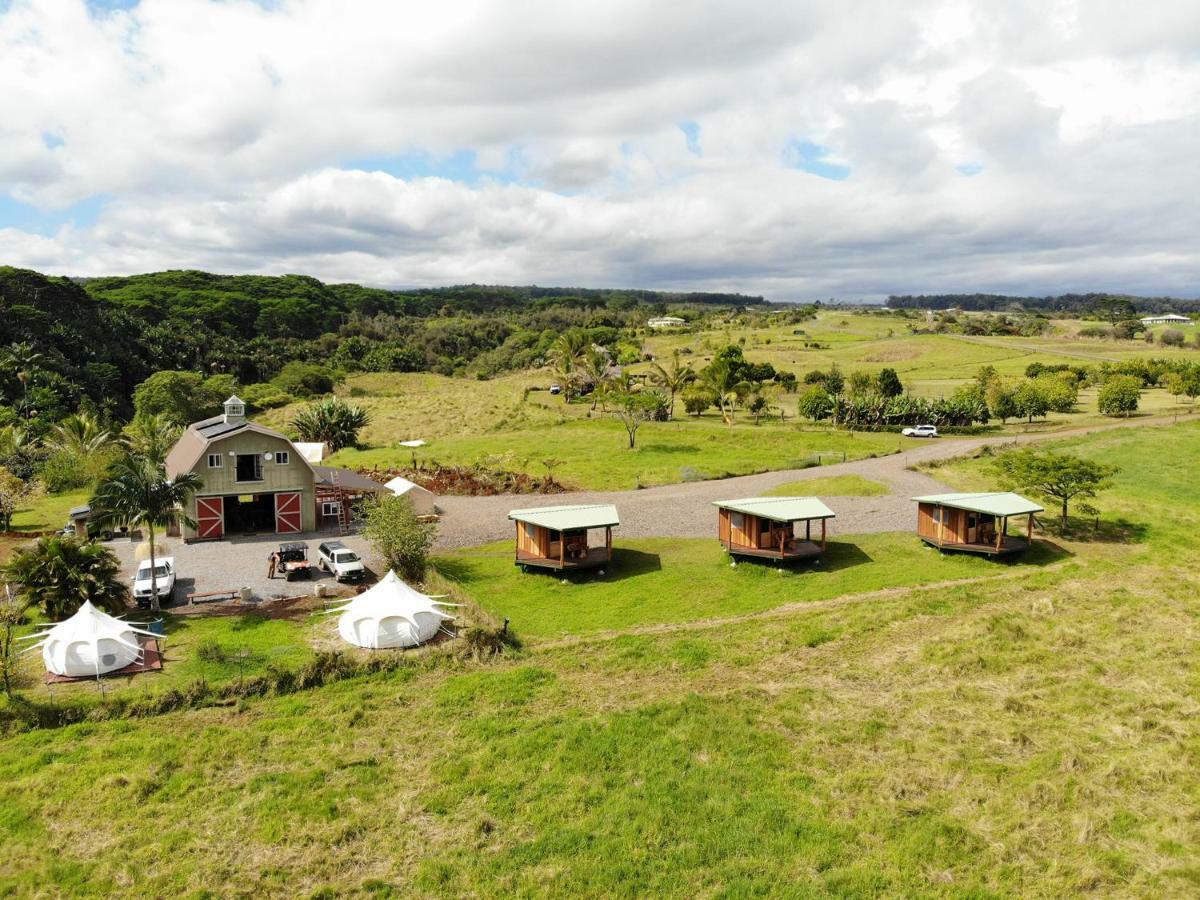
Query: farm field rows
x,y
1031,733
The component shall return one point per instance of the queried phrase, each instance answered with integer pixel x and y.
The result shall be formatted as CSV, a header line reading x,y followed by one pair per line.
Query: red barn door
x,y
210,518
287,513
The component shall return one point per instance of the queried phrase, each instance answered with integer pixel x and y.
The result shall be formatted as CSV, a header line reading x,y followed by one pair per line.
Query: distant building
x,y
1168,319
667,322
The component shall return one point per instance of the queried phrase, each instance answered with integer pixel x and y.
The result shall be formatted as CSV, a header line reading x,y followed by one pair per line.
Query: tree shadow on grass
x,y
454,568
1087,531
649,447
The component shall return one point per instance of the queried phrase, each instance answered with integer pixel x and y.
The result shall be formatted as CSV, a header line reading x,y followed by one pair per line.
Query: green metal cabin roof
x,y
779,509
569,518
1002,503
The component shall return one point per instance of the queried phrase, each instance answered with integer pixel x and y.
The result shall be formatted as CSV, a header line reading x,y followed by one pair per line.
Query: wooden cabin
x,y
765,527
975,523
565,538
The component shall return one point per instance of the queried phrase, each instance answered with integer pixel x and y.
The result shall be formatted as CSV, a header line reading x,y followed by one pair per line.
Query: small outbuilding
x,y
557,537
90,643
424,501
390,615
765,527
975,523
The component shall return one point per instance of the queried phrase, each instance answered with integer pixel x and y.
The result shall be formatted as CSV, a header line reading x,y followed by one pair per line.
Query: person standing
x,y
272,563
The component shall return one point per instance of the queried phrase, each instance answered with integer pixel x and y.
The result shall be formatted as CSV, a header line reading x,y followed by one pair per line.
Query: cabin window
x,y
214,460
249,467
555,535
737,520
331,508
282,458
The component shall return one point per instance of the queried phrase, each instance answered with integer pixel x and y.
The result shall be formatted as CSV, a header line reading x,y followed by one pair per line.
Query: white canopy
x,y
423,500
390,614
90,643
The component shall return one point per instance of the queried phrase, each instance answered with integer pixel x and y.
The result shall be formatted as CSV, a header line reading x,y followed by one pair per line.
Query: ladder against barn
x,y
333,493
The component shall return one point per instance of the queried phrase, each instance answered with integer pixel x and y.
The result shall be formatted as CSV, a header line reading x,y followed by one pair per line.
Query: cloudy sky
x,y
800,150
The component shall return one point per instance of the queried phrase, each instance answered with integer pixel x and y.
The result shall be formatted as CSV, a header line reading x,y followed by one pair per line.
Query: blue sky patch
x,y
461,166
691,133
812,158
22,216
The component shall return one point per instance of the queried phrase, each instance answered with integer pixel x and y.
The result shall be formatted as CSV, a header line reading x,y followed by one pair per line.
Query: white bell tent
x,y
390,614
89,644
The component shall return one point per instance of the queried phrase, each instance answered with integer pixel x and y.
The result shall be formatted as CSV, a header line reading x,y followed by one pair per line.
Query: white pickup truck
x,y
926,431
340,561
164,581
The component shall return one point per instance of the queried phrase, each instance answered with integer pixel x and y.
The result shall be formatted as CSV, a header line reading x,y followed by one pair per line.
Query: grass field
x,y
514,422
1030,734
671,580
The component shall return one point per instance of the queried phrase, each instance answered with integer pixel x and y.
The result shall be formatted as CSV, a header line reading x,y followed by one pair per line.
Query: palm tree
x,y
565,355
81,433
722,379
24,360
333,422
674,379
152,436
59,574
139,494
593,366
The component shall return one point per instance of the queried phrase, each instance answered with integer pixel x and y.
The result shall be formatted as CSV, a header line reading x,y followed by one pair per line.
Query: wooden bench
x,y
210,596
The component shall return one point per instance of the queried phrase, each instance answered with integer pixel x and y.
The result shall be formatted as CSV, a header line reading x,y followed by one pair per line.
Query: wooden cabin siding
x,y
533,539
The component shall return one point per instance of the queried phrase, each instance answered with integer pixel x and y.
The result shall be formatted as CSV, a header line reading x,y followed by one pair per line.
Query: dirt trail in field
x,y
1032,348
685,510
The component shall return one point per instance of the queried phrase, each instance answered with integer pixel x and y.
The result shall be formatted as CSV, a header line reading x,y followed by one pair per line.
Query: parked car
x,y
164,581
556,388
340,561
293,560
925,431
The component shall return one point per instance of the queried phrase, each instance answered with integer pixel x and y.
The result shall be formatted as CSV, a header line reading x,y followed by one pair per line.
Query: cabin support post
x,y
1000,533
562,549
608,541
1029,531
941,524
822,535
808,529
517,551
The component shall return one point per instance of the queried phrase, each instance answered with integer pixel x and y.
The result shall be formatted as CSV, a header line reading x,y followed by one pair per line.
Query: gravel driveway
x,y
238,562
685,510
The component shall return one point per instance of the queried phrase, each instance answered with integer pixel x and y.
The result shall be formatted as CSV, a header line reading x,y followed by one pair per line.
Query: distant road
x,y
685,510
1032,348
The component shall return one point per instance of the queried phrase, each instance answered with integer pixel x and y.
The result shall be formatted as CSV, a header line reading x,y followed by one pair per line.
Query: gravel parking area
x,y
238,562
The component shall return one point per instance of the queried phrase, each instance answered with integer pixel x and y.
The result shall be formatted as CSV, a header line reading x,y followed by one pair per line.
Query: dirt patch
x,y
894,355
469,481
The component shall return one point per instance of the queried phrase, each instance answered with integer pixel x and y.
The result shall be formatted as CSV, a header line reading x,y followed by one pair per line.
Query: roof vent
x,y
235,411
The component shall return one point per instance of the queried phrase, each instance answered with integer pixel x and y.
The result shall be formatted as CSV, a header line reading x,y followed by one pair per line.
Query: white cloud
x,y
230,136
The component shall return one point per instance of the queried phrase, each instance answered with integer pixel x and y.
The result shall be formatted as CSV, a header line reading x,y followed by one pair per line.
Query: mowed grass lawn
x,y
670,580
595,454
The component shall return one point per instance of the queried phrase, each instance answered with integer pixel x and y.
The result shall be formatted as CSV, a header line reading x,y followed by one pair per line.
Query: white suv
x,y
164,581
929,431
340,561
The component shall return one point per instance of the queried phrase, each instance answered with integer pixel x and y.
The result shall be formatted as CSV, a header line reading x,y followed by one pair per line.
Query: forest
x,y
1083,305
71,343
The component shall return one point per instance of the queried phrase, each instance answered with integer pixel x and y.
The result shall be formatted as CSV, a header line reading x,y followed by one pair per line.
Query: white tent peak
x,y
390,614
91,642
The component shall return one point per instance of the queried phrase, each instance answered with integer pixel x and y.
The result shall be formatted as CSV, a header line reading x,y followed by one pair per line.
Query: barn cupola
x,y
235,411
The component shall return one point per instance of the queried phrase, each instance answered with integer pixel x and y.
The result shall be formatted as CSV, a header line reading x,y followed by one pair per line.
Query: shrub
x,y
1172,337
264,396
211,651
305,379
399,536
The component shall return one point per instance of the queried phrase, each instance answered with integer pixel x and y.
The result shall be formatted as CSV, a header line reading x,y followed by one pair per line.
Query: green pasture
x,y
976,730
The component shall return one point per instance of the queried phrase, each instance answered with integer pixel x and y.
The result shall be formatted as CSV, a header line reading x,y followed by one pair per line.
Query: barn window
x,y
331,508
214,460
249,467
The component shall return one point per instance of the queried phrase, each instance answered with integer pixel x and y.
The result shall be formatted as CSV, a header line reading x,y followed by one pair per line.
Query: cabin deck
x,y
595,558
1011,546
794,550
